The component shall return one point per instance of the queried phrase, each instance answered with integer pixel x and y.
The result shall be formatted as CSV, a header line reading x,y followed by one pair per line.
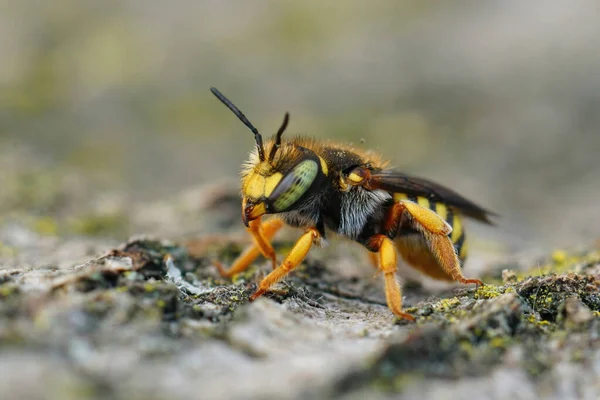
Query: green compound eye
x,y
294,185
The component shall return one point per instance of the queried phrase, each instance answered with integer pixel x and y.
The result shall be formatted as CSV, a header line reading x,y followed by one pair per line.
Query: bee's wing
x,y
397,182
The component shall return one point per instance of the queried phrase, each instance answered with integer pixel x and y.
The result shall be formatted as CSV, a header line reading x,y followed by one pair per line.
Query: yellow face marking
x,y
441,210
254,186
257,186
324,167
399,197
456,228
423,202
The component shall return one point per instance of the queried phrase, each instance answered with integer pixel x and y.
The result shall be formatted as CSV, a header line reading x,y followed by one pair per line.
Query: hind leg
x,y
438,255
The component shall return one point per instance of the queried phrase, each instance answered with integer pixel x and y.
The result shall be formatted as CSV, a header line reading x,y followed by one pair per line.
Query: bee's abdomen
x,y
450,215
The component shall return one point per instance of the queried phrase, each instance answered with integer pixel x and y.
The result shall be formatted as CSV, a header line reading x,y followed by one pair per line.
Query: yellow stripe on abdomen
x,y
449,214
456,227
441,210
458,236
399,197
423,202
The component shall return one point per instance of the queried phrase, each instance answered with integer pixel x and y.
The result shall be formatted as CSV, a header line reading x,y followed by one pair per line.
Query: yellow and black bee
x,y
329,187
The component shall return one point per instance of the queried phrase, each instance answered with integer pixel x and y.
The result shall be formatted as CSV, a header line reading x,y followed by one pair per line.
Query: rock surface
x,y
151,318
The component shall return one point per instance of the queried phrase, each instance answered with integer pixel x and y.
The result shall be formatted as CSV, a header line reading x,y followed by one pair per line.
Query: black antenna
x,y
242,117
277,144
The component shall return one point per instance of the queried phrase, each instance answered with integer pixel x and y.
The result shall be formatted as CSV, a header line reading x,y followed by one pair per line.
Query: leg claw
x,y
475,281
405,316
222,270
256,294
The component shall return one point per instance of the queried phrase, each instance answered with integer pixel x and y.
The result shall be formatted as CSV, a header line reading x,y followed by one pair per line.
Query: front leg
x,y
291,262
262,233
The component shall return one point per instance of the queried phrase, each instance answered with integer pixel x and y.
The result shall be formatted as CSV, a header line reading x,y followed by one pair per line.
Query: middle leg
x,y
388,263
291,262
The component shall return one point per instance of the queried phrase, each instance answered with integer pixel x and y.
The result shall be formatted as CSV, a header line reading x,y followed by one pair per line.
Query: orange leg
x,y
435,231
427,219
388,262
374,259
445,254
262,235
256,229
300,250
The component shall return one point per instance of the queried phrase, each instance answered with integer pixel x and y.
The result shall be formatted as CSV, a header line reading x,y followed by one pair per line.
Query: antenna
x,y
242,117
277,144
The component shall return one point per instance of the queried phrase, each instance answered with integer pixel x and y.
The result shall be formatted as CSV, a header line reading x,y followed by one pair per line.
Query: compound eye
x,y
357,175
294,185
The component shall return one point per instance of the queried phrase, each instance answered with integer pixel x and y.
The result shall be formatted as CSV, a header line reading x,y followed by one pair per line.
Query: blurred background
x,y
106,105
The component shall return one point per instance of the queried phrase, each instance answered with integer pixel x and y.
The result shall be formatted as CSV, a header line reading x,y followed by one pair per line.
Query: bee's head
x,y
274,181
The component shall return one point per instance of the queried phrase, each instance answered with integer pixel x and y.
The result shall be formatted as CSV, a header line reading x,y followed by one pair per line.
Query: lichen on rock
x,y
126,319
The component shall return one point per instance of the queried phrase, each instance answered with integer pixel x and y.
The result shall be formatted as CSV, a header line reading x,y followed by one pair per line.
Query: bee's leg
x,y
259,232
262,235
292,261
374,259
435,231
388,263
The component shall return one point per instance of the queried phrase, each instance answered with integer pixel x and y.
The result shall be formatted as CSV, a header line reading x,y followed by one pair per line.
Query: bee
x,y
327,187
